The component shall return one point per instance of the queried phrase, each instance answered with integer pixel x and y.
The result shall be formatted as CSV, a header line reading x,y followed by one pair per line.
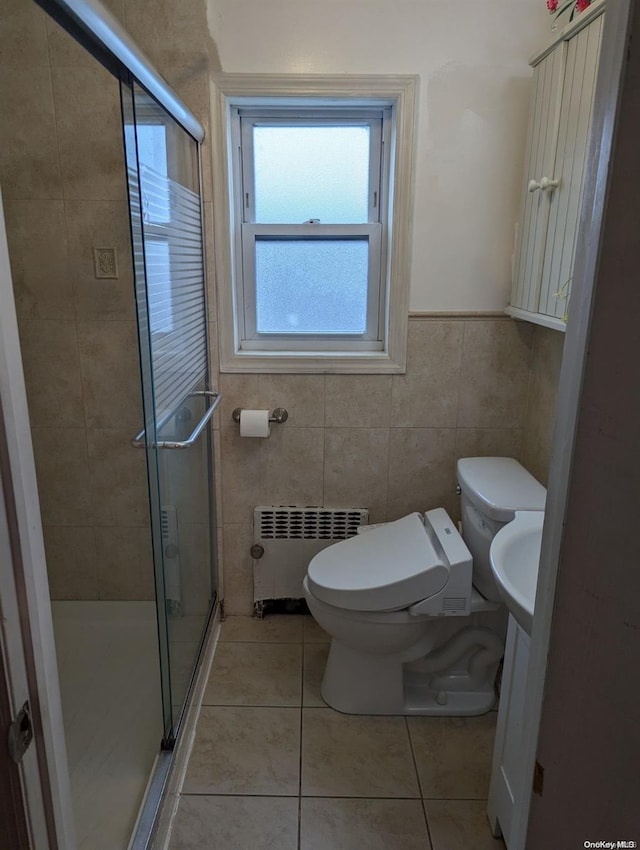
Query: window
x,y
315,228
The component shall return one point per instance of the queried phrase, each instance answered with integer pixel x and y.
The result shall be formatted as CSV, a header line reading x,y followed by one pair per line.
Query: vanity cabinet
x,y
563,91
507,777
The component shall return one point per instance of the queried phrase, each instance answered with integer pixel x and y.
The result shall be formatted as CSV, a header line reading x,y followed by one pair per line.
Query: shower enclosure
x,y
166,227
103,212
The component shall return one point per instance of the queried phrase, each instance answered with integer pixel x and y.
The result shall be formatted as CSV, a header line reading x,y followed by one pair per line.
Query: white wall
x,y
474,90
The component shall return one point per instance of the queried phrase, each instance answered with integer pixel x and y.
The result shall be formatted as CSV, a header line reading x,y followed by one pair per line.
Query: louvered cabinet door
x,y
575,117
539,161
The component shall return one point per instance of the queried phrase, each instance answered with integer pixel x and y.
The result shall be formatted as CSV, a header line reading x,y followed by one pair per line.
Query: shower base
x,y
109,679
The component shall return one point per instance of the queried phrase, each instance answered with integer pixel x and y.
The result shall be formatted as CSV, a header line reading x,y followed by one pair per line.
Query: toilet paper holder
x,y
278,416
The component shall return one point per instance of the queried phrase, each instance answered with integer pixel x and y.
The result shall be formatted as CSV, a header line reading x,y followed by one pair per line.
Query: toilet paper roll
x,y
254,423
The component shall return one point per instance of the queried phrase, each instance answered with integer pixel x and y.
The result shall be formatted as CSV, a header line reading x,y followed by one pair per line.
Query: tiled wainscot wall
x,y
473,386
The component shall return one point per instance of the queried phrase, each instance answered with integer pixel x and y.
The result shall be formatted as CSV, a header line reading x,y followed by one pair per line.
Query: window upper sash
x,y
249,119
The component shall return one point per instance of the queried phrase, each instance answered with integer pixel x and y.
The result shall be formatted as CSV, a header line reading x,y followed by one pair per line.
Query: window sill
x,y
310,362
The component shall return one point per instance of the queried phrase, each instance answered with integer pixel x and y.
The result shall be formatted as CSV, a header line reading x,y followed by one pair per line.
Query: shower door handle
x,y
140,440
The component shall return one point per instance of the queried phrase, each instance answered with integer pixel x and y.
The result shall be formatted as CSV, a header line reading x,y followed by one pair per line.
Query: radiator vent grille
x,y
309,523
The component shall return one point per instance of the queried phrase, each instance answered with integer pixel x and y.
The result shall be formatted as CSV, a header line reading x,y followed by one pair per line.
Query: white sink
x,y
514,555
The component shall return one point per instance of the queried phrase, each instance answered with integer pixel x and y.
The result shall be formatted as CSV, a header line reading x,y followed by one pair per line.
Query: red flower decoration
x,y
581,5
552,5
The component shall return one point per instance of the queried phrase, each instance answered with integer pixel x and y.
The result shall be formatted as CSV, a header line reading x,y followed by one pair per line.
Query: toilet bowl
x,y
416,621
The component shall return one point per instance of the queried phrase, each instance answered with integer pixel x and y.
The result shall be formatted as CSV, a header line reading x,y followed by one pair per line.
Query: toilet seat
x,y
384,569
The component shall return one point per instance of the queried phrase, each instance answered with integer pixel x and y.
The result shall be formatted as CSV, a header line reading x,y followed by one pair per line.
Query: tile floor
x,y
273,767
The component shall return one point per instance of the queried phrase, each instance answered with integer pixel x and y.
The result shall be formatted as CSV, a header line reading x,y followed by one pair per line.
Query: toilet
x,y
416,621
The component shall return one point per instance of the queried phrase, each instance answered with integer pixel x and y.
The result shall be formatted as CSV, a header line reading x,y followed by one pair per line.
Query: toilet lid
x,y
384,569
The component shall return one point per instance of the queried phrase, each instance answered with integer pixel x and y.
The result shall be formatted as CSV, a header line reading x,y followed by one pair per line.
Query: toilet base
x,y
352,684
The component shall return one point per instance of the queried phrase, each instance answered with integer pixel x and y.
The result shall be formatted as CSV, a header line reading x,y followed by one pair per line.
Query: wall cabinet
x,y
563,91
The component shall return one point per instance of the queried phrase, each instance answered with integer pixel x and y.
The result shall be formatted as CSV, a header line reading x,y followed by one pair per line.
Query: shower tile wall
x,y
63,182
388,443
543,392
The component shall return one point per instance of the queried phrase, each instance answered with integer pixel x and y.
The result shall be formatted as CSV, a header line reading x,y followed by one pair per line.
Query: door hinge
x,y
538,778
20,734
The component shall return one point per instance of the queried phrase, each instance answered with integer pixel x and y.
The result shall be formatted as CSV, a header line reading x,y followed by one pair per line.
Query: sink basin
x,y
514,555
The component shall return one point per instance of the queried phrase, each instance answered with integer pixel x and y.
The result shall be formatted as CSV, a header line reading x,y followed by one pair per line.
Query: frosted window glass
x,y
311,172
311,286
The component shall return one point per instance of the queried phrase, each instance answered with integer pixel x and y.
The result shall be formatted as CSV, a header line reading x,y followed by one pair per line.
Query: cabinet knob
x,y
544,183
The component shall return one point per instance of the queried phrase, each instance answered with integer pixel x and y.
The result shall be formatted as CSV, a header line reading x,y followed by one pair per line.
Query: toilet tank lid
x,y
386,569
499,486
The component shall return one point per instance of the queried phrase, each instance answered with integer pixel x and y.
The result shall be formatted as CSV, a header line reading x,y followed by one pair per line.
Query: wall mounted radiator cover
x,y
290,537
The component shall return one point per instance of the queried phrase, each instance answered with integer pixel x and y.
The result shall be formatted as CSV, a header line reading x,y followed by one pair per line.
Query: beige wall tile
x,y
109,363
235,823
37,241
62,469
52,373
23,35
541,406
65,50
195,567
488,442
119,489
291,466
427,395
238,569
424,401
100,224
28,155
358,401
421,470
355,472
240,475
187,23
245,750
91,161
214,365
434,345
184,475
237,391
71,562
495,374
302,396
344,824
125,563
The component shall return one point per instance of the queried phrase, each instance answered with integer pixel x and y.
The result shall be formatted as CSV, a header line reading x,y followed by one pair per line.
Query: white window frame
x,y
383,347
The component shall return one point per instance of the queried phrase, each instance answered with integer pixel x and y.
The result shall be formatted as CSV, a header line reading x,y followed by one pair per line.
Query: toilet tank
x,y
492,489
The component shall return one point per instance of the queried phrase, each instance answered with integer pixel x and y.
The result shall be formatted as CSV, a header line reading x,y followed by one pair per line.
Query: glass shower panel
x,y
166,225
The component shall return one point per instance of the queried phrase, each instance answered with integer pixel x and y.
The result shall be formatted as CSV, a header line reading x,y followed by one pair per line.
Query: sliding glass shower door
x,y
166,226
